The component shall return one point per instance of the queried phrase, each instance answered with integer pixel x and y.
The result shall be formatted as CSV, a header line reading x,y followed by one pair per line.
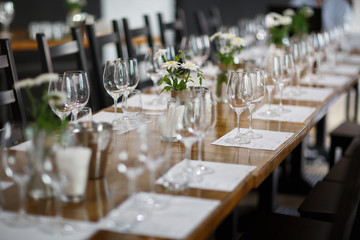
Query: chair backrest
x,y
130,34
349,201
96,45
178,25
208,25
10,98
48,55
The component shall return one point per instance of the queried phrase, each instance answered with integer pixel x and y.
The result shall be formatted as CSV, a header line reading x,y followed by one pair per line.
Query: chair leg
x,y
331,158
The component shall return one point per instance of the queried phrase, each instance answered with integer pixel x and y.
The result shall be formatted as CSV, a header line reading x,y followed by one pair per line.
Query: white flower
x,y
227,36
171,65
30,82
289,12
272,19
160,52
56,98
237,42
190,66
215,35
285,20
309,11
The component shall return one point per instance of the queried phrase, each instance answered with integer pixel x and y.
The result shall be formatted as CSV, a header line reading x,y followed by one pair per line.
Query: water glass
x,y
84,115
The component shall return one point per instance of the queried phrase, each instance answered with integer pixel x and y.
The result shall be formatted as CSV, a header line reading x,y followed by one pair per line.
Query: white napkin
x,y
296,114
271,140
74,162
175,221
332,80
342,69
307,94
225,177
83,230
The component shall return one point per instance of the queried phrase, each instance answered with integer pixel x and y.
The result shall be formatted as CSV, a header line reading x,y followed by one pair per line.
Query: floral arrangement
x,y
178,71
279,27
75,4
42,117
300,19
229,45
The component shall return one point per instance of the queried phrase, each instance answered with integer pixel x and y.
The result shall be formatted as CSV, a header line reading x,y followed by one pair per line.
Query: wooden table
x,y
97,203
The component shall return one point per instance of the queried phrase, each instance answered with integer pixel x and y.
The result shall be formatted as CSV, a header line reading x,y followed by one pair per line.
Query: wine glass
x,y
130,162
65,88
258,83
199,49
153,67
269,83
19,169
7,13
82,89
202,120
299,56
133,75
115,80
239,93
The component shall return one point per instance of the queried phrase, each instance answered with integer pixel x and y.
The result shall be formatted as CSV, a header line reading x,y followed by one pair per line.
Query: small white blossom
x,y
237,42
171,65
285,20
289,12
309,11
190,66
160,52
56,98
30,82
227,36
215,35
274,19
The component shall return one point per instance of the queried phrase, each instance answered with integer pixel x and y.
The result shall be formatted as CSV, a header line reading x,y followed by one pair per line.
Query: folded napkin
x,y
296,114
307,94
225,177
332,80
176,220
271,140
342,69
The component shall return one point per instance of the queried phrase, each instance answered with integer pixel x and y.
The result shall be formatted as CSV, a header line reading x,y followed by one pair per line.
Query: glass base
x,y
17,221
253,135
57,228
270,113
238,140
201,169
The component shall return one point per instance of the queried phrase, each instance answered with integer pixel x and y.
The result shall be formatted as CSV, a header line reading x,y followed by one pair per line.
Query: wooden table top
x,y
97,203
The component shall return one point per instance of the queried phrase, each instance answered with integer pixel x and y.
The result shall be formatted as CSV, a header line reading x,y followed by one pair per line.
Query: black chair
x,y
277,226
178,25
66,52
11,102
130,34
208,25
96,45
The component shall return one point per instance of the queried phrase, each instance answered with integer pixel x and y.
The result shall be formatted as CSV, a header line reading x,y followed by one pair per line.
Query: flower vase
x,y
42,148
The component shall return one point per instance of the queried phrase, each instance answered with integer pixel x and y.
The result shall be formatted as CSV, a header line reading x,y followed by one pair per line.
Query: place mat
x,y
332,80
5,184
296,114
342,69
175,221
225,177
307,94
83,230
271,140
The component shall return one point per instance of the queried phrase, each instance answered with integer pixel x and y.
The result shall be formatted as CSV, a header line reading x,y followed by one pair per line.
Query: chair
x,y
51,54
10,98
130,34
277,226
208,25
179,26
96,44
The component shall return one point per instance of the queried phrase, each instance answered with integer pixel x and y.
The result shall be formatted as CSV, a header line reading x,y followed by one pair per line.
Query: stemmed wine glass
x,y
199,49
202,120
258,83
153,67
130,162
19,169
66,88
298,52
269,83
82,89
239,92
115,80
132,68
7,13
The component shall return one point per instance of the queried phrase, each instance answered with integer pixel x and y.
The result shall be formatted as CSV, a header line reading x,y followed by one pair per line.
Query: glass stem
x,y
238,124
269,98
115,105
58,210
152,180
22,192
131,185
281,86
298,77
200,149
75,113
251,108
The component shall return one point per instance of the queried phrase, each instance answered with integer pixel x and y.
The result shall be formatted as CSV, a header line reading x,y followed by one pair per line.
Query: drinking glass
x,y
199,49
239,93
85,115
19,169
269,83
133,75
130,162
132,107
258,83
82,89
153,67
7,13
202,120
65,88
115,80
299,56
